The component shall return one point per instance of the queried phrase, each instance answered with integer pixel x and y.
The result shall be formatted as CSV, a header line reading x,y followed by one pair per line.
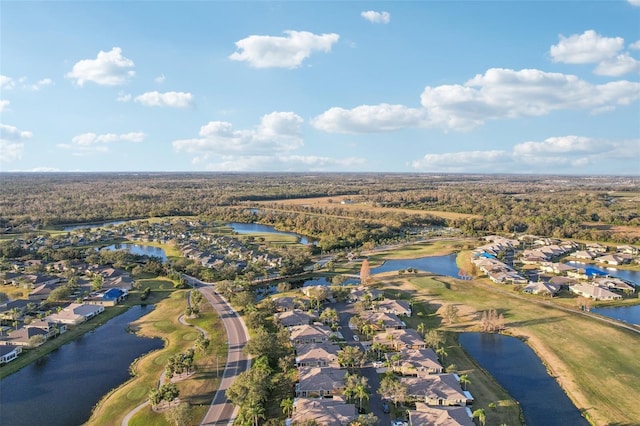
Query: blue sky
x,y
403,86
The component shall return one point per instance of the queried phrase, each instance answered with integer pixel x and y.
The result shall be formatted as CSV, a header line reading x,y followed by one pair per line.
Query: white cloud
x,y
368,119
620,65
282,52
277,132
108,69
282,163
88,143
159,79
41,83
635,46
461,161
123,97
585,48
505,93
12,143
4,104
563,154
496,94
168,99
376,17
7,83
634,2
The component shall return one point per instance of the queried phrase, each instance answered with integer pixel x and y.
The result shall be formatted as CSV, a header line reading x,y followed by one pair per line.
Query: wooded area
x,y
590,208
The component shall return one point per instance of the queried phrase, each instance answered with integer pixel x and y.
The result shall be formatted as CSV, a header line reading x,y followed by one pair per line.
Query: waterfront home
x,y
400,339
324,412
9,352
304,334
542,288
614,283
294,318
320,382
28,336
556,268
76,313
594,292
317,355
583,255
416,362
440,416
286,303
437,389
390,306
613,259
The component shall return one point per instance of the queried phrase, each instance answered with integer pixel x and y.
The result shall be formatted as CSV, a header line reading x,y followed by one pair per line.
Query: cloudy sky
x,y
430,86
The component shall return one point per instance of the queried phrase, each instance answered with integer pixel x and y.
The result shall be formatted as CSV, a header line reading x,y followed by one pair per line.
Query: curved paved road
x,y
222,411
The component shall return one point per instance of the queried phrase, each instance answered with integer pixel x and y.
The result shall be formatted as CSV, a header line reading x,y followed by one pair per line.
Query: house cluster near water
x,y
542,260
322,380
32,324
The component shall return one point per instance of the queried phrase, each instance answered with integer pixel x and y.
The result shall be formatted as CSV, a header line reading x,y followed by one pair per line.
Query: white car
x,y
356,338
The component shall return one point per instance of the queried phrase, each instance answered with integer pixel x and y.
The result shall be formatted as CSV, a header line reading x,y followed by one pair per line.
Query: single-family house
x,y
287,303
14,309
437,389
612,259
400,339
324,411
425,415
382,320
76,313
362,293
594,292
42,292
614,283
294,318
542,288
9,352
314,333
320,382
317,355
556,268
391,306
583,255
415,362
627,249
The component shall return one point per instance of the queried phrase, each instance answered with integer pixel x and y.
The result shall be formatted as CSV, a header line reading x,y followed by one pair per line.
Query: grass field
x,y
596,363
334,202
197,390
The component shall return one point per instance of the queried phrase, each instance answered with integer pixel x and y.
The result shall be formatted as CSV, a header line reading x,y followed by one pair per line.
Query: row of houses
x,y
322,381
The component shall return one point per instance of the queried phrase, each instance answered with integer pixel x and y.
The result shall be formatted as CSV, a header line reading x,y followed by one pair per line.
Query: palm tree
x,y
287,407
421,328
362,391
256,411
479,413
442,353
464,380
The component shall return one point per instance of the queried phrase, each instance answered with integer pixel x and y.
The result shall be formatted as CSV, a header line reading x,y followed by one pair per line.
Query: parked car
x,y
356,338
385,407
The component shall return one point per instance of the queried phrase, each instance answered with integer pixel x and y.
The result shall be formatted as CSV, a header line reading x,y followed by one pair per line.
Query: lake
x,y
631,276
629,314
63,387
255,228
441,265
517,368
139,249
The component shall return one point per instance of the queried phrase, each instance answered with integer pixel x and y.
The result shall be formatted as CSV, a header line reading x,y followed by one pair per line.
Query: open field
x,y
335,202
596,363
197,389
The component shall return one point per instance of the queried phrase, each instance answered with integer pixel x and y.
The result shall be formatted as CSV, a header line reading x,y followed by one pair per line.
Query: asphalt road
x,y
222,411
375,400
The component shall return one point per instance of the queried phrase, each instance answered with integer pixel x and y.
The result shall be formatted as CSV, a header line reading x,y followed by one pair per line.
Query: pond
x,y
441,265
253,228
63,387
517,368
139,249
629,314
